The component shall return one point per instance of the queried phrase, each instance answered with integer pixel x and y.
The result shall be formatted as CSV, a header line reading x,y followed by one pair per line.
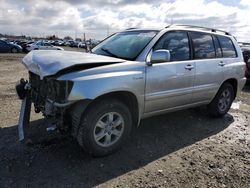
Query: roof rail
x,y
199,27
131,28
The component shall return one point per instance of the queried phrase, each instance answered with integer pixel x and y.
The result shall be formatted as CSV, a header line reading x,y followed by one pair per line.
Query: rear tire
x,y
104,127
222,102
14,50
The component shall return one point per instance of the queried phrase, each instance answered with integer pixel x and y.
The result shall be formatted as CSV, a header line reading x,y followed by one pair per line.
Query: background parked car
x,y
82,45
9,47
246,55
40,45
24,44
28,44
74,44
59,43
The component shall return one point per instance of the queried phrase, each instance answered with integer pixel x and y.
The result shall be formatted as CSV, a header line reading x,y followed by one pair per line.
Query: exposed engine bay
x,y
44,93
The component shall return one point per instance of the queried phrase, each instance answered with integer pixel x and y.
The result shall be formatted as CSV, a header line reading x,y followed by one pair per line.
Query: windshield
x,y
125,45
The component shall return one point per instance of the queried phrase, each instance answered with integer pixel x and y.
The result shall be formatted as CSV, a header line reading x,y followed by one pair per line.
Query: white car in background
x,y
41,45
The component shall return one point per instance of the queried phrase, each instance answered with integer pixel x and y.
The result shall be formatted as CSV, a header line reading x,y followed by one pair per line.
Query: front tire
x,y
104,127
222,102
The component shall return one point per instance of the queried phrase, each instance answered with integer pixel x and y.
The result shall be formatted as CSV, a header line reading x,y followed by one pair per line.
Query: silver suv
x,y
131,75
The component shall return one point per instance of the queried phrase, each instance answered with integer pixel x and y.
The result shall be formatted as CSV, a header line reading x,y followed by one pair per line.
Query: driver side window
x,y
177,43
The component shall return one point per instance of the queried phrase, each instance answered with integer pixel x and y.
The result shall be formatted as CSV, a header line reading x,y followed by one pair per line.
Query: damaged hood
x,y
49,62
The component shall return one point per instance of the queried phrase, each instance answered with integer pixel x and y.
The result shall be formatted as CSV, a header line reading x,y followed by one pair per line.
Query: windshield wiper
x,y
109,52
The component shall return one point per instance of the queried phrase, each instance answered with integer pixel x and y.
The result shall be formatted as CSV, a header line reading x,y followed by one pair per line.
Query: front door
x,y
170,84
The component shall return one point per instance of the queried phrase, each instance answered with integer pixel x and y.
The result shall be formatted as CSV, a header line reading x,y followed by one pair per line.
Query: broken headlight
x,y
58,91
49,88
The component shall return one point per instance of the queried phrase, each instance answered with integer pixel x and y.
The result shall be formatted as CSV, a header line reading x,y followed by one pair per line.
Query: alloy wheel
x,y
108,129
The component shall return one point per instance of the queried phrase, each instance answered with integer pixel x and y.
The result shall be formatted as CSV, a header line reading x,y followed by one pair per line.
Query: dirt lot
x,y
182,149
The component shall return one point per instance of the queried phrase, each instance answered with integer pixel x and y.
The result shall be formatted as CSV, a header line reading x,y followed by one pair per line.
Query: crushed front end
x,y
49,97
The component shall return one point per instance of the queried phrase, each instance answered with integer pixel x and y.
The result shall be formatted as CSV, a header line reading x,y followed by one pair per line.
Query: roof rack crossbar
x,y
199,27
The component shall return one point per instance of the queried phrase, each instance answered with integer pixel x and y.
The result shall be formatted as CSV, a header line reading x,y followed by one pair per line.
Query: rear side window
x,y
203,45
177,43
227,46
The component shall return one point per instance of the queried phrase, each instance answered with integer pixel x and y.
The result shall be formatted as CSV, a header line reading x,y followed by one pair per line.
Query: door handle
x,y
222,63
189,67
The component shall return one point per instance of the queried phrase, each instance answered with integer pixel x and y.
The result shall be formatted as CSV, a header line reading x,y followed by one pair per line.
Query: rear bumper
x,y
241,84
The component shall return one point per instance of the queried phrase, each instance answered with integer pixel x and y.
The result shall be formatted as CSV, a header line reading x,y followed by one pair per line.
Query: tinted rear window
x,y
203,45
227,46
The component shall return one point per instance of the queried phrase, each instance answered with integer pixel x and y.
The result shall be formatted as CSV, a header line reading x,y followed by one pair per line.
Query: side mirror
x,y
160,56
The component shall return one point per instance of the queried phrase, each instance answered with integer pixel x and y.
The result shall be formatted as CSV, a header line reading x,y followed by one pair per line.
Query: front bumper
x,y
24,117
52,110
23,91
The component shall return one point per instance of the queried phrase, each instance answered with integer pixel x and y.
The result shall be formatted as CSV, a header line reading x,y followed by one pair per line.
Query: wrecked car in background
x,y
41,45
134,74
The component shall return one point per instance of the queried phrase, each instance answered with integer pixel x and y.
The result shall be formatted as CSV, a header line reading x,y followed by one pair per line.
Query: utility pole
x,y
84,38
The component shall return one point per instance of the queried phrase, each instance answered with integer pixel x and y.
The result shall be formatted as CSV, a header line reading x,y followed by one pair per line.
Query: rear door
x,y
170,84
209,70
229,57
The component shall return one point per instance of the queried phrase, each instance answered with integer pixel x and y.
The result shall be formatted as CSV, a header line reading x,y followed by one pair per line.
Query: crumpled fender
x,y
93,86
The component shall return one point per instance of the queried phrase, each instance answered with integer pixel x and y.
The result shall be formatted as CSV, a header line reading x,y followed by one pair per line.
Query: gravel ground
x,y
181,149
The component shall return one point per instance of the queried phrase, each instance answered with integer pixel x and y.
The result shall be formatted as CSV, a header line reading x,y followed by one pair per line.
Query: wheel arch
x,y
213,108
234,83
79,108
126,97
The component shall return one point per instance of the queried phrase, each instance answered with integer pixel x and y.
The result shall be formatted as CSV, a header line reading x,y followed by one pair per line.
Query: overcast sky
x,y
98,18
